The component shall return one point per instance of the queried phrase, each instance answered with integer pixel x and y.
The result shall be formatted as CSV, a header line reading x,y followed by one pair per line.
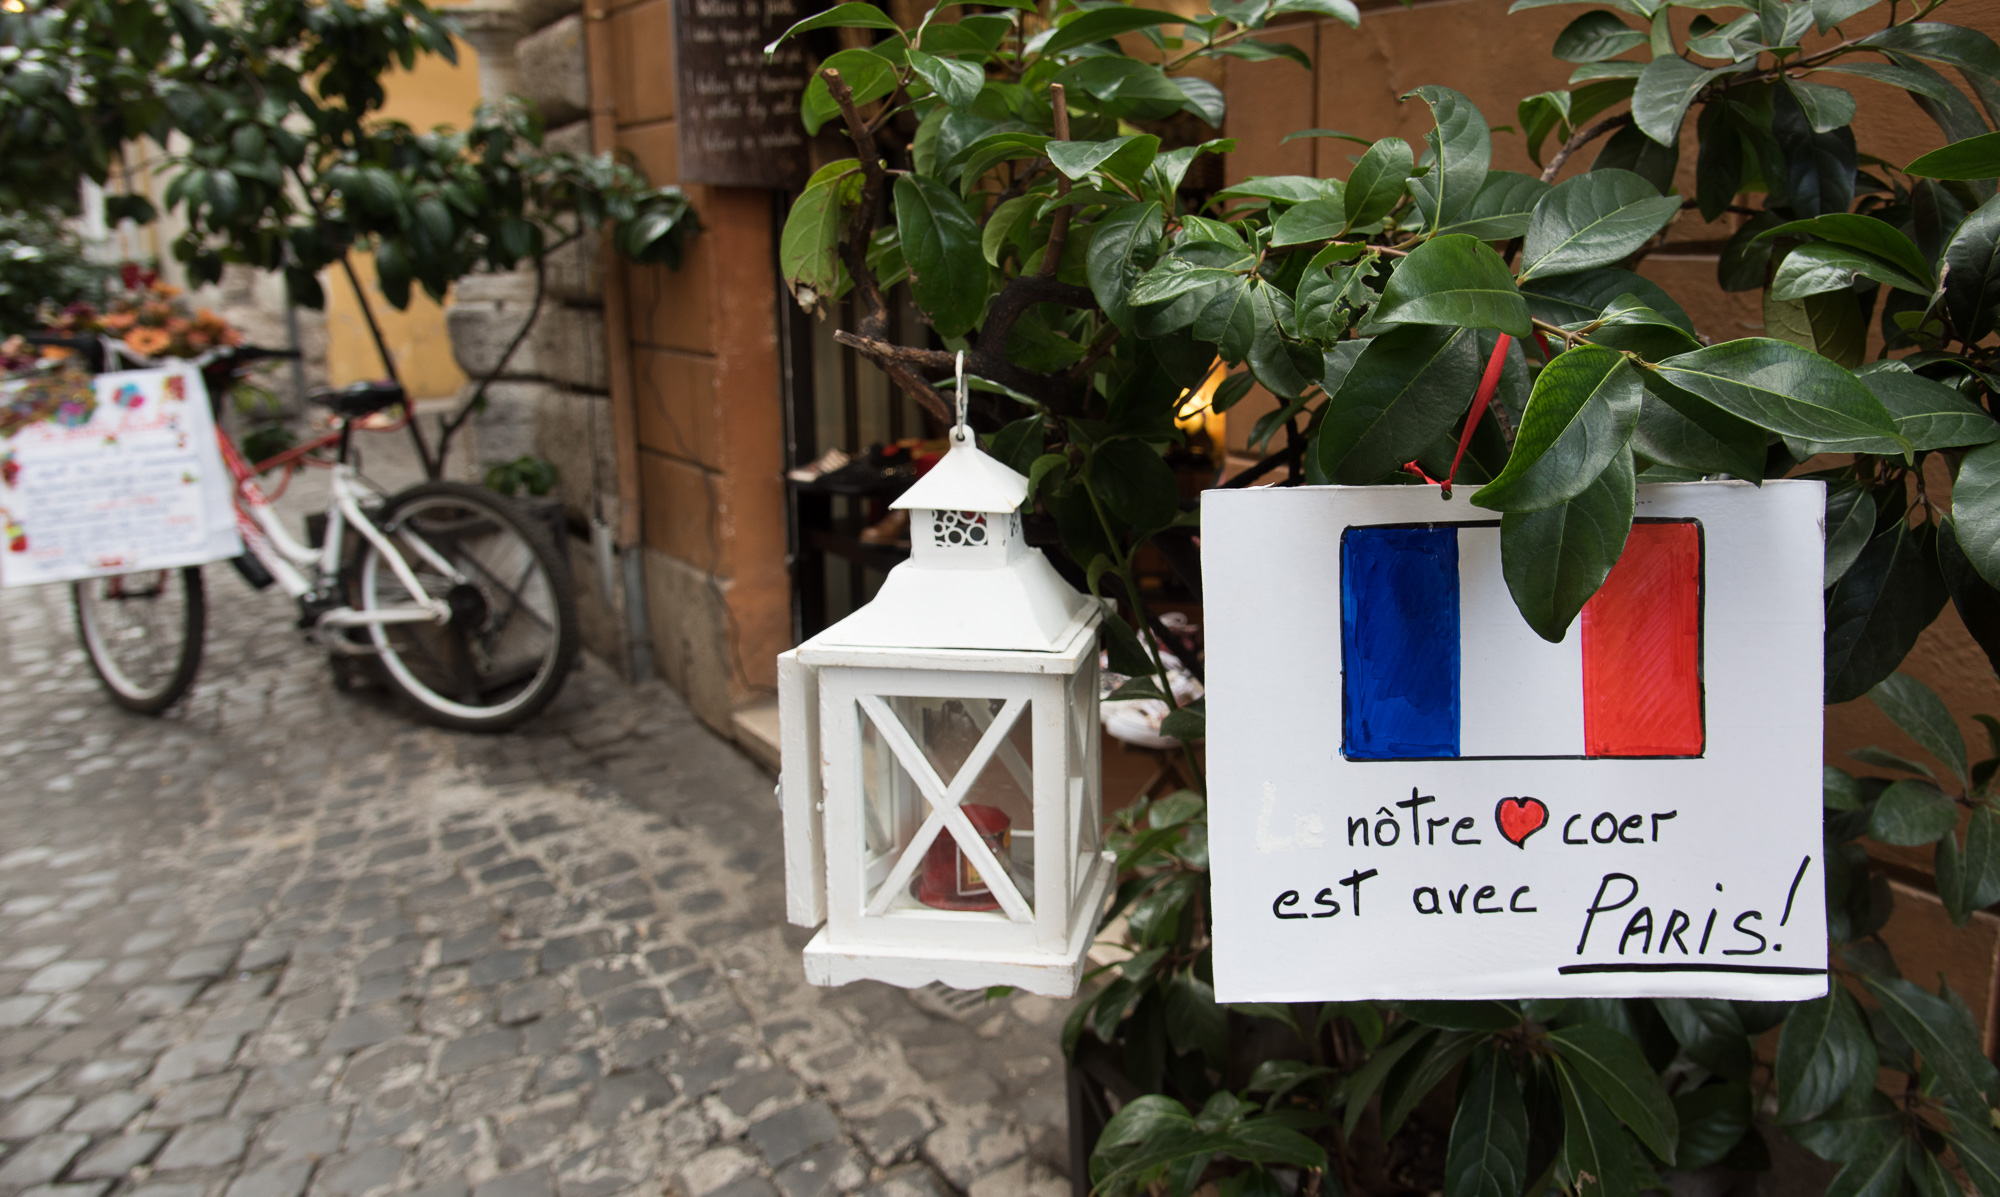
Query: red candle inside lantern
x,y
950,880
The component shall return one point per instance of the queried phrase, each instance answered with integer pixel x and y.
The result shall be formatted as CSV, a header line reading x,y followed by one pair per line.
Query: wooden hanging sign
x,y
738,113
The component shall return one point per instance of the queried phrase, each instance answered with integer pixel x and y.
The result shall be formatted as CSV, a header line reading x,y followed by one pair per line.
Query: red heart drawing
x,y
1520,818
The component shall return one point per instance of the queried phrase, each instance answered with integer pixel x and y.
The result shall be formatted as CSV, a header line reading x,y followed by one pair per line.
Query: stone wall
x,y
551,400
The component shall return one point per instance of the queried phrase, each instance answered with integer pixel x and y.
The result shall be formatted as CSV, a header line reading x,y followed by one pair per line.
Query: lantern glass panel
x,y
944,735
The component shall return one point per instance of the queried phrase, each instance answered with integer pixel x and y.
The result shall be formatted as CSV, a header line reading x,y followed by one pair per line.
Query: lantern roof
x,y
966,479
995,594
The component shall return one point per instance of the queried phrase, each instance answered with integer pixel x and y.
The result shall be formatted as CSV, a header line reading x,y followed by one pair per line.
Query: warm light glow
x,y
14,5
1192,412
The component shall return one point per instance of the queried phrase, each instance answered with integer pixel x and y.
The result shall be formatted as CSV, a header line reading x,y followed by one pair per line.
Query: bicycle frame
x,y
289,561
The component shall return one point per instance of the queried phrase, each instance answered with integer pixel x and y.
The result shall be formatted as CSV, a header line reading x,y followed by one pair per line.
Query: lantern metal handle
x,y
961,432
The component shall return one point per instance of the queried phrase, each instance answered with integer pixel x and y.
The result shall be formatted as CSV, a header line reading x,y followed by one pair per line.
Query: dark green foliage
x,y
1370,308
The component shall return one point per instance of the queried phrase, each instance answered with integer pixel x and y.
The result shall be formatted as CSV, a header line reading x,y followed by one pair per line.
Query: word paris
x,y
1427,800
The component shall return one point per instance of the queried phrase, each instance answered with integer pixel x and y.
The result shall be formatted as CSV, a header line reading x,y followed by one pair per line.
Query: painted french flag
x,y
1438,664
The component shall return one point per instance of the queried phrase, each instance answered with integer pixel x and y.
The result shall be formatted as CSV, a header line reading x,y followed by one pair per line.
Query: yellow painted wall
x,y
434,93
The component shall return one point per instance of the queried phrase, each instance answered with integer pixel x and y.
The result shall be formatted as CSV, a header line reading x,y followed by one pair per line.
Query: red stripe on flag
x,y
1642,648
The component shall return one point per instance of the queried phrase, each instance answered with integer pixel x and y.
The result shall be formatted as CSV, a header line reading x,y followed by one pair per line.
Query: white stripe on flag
x,y
1519,695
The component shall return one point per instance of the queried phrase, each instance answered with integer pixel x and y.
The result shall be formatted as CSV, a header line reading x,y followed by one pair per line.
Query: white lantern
x,y
940,775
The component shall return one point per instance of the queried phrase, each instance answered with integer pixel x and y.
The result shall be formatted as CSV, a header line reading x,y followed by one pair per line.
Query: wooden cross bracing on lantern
x,y
941,771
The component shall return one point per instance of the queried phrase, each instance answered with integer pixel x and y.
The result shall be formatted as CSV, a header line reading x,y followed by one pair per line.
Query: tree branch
x,y
900,363
853,246
1583,137
1059,230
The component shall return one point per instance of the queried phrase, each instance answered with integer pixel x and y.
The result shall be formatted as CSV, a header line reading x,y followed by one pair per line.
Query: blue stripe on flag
x,y
1399,642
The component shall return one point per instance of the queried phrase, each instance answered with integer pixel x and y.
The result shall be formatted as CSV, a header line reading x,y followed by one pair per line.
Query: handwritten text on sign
x,y
1417,797
111,474
738,111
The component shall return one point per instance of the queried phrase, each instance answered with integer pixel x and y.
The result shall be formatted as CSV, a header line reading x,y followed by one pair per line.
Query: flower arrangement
x,y
149,316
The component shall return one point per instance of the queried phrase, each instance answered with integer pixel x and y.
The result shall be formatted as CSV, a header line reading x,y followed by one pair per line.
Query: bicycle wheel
x,y
143,633
512,636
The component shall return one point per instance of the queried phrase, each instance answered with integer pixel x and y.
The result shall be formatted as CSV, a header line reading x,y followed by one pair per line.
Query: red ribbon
x,y
1488,383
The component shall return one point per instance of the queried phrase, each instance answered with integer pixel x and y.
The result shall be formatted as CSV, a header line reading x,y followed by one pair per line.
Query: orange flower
x,y
148,341
119,321
165,289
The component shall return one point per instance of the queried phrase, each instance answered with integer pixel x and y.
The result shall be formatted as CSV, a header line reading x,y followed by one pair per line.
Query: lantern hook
x,y
960,433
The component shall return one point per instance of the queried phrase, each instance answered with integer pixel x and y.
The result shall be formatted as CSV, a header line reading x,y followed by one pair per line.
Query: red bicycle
x,y
443,590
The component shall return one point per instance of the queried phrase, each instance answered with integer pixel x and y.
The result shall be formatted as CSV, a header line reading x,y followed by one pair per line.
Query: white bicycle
x,y
443,590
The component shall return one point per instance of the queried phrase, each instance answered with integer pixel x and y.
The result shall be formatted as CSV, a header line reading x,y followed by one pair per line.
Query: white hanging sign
x,y
1414,796
115,473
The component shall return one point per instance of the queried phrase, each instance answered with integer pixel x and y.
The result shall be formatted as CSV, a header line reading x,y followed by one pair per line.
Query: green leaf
x,y
867,74
1099,25
1828,13
1822,266
1591,220
851,15
1929,414
1501,209
1922,715
1285,189
1134,484
807,249
1461,150
1378,181
941,244
1789,390
1877,1172
1194,1022
1458,280
1824,1049
1596,36
1269,355
1687,432
1826,108
1978,1151
1540,115
1581,298
1850,521
1580,415
1968,878
1942,1034
1488,1151
1852,1129
1712,1033
1629,149
1865,233
1125,238
1830,324
1555,559
1972,273
1614,1068
1714,1119
1343,11
956,83
1422,1072
1911,813
1883,758
1125,158
1952,45
1973,158
1666,88
1402,394
1880,606
1364,1081
1975,511
1314,220
1596,1159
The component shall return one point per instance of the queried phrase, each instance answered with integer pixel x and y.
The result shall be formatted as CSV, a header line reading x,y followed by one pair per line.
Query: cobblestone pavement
x,y
286,940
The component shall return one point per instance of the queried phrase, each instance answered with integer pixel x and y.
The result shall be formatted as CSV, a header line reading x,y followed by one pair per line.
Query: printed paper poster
x,y
1415,796
111,474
